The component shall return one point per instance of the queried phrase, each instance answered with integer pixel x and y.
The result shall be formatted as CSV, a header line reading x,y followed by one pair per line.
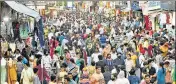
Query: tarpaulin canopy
x,y
23,9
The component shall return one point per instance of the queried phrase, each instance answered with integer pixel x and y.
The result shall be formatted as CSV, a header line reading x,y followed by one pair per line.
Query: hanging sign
x,y
135,6
153,5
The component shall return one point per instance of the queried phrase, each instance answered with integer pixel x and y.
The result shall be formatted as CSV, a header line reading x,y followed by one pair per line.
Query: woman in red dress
x,y
53,44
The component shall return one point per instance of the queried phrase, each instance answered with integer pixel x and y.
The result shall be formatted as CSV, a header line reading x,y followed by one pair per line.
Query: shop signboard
x,y
135,6
153,5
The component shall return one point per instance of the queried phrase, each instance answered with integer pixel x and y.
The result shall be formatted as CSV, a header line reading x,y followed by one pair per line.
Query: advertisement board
x,y
153,5
135,6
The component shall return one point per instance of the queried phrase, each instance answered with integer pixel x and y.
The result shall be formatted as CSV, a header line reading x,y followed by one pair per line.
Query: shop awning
x,y
23,9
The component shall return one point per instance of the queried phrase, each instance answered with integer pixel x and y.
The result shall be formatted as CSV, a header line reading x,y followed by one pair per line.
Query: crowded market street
x,y
87,42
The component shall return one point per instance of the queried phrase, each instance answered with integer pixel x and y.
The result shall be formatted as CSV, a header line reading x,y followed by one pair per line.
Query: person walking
x,y
161,74
27,74
97,77
121,78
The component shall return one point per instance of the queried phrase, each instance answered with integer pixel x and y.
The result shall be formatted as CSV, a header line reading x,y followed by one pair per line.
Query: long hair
x,y
162,65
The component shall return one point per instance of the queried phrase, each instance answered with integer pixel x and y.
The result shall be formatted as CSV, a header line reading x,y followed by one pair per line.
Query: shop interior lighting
x,y
6,19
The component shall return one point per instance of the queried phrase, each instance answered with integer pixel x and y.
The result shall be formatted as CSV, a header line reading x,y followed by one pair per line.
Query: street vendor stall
x,y
23,9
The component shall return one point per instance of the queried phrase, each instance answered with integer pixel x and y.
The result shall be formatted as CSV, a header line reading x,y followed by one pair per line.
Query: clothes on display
x,y
20,46
31,24
5,25
167,18
156,23
3,29
29,41
146,20
16,26
162,20
24,30
171,17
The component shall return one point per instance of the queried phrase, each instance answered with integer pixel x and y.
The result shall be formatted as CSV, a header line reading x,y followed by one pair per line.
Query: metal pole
x,y
0,38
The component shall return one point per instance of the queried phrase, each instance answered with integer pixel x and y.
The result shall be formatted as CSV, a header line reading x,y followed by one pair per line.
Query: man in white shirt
x,y
101,30
141,60
88,31
113,53
46,60
95,55
129,64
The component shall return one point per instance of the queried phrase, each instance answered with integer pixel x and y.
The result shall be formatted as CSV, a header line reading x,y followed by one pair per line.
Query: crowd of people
x,y
115,50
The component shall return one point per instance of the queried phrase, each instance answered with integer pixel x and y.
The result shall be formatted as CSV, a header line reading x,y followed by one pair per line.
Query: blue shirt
x,y
24,61
61,38
102,39
72,82
133,79
161,76
137,23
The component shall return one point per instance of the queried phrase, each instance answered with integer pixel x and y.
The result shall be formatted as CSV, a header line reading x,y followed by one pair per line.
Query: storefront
x,y
23,24
160,15
136,10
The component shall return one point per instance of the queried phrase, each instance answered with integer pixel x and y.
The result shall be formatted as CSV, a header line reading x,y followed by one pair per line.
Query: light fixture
x,y
6,19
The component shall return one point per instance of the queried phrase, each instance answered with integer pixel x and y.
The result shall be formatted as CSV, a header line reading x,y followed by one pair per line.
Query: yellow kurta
x,y
164,50
12,74
134,58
